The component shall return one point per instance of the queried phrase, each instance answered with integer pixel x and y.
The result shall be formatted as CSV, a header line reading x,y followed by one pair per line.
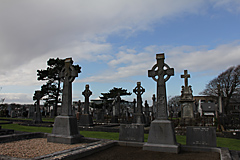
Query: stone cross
x,y
38,95
139,90
67,75
185,76
87,93
158,73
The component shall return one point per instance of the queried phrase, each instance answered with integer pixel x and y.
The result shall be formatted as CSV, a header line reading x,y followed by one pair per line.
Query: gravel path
x,y
33,148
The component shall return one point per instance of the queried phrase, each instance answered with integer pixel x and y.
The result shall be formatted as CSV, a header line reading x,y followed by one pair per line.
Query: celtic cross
x,y
161,73
139,90
87,93
67,76
185,76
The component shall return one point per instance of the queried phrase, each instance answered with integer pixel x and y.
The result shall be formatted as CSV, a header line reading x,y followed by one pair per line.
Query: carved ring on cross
x,y
161,72
64,74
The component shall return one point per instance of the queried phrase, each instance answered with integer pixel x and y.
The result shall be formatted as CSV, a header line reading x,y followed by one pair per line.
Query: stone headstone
x,y
138,116
161,134
65,128
116,109
201,136
187,102
131,132
31,110
37,117
86,119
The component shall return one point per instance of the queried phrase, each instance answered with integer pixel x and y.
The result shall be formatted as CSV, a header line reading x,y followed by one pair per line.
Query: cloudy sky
x,y
116,42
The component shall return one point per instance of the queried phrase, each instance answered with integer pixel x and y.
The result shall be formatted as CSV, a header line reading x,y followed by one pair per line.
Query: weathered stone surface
x,y
138,116
186,101
85,120
161,134
131,132
201,136
65,128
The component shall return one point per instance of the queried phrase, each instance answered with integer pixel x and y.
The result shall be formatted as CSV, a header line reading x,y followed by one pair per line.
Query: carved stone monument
x,y
146,113
186,101
37,116
134,132
86,119
154,107
138,116
161,134
116,109
65,128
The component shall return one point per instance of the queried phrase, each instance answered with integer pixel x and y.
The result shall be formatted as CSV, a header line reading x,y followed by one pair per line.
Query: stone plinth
x,y
65,130
85,120
131,132
138,118
161,137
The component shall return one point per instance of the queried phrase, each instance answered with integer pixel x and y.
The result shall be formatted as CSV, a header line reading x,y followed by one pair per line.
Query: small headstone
x,y
30,112
37,117
131,132
138,116
116,109
86,119
201,136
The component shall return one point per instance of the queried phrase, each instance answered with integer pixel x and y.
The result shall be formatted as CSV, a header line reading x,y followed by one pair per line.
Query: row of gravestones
x,y
161,134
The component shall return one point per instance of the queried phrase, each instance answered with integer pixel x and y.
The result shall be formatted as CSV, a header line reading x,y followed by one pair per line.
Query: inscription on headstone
x,y
131,132
201,136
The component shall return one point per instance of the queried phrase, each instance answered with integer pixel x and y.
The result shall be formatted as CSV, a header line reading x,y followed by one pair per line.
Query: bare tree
x,y
226,84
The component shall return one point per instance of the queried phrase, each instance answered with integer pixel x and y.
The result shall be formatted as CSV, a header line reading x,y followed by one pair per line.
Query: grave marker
x,y
65,128
161,134
86,119
131,132
37,117
138,116
186,101
201,136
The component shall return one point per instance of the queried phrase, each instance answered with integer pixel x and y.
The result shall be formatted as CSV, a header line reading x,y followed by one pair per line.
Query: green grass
x,y
3,121
27,119
27,128
232,144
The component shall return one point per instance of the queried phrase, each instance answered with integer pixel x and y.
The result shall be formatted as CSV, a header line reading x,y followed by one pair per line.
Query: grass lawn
x,y
29,119
232,144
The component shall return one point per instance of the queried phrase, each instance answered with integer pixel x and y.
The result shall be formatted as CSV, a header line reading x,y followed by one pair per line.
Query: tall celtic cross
x,y
139,90
185,76
67,76
161,73
87,93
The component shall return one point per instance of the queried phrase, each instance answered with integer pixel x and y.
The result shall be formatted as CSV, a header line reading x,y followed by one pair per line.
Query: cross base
x,y
162,137
65,130
139,118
